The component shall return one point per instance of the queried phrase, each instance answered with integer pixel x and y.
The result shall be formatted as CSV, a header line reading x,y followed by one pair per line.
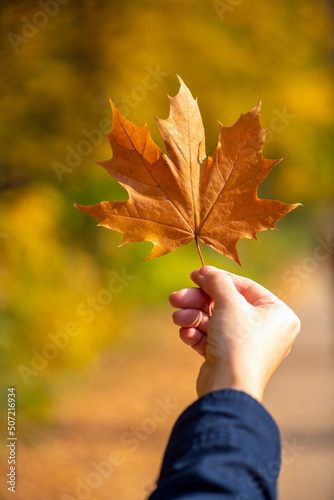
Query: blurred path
x,y
301,395
109,433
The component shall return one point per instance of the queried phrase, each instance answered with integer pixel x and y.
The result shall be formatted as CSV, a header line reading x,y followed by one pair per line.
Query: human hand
x,y
249,334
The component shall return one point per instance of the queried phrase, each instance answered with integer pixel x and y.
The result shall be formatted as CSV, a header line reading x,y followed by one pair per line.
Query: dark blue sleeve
x,y
224,446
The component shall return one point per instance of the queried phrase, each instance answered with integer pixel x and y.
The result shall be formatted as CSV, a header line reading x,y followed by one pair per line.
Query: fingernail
x,y
193,273
207,269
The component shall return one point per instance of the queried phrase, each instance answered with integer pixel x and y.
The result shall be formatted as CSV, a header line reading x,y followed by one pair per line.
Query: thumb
x,y
217,284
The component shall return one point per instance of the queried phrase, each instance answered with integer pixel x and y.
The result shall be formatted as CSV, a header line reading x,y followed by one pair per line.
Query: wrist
x,y
217,377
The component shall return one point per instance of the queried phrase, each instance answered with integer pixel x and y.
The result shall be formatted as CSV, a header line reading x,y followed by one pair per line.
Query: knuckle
x,y
295,324
197,320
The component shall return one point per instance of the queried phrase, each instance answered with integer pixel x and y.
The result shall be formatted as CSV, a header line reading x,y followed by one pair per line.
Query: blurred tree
x,y
59,69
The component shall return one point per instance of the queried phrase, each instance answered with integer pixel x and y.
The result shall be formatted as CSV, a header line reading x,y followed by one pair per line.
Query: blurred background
x,y
85,330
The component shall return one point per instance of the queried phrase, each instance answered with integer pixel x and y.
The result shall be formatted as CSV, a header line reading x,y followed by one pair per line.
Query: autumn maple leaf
x,y
183,195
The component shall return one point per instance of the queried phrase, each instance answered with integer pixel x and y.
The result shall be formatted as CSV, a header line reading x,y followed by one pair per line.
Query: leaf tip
x,y
110,101
257,108
180,80
183,86
238,262
113,107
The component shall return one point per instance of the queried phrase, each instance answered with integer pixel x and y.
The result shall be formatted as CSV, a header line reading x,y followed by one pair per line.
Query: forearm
x,y
224,444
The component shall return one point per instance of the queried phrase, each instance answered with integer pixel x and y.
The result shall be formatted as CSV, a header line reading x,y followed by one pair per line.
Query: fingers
x,y
191,318
218,285
254,293
192,298
195,339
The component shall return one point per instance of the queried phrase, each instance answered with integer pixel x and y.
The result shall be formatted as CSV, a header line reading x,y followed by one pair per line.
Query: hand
x,y
249,334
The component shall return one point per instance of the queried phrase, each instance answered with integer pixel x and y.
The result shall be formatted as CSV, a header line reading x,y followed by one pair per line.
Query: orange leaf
x,y
183,195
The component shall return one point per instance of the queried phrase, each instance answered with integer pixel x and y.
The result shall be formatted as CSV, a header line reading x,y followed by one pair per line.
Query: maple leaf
x,y
183,195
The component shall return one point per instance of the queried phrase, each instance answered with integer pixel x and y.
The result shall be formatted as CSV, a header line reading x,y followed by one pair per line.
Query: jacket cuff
x,y
226,420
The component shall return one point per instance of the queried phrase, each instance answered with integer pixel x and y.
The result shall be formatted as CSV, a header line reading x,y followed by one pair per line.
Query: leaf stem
x,y
202,260
199,251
